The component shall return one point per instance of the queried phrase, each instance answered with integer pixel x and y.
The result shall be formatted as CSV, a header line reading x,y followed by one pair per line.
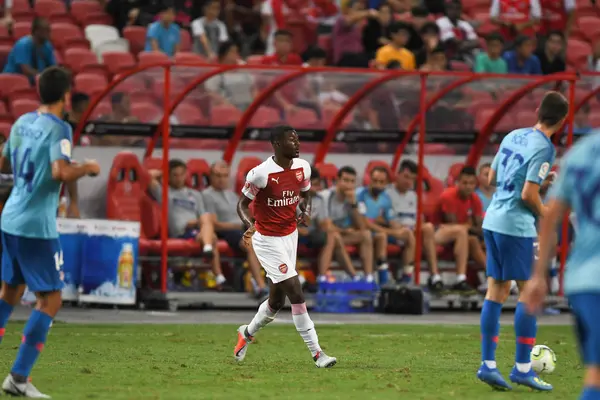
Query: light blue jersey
x,y
578,185
373,208
524,155
35,142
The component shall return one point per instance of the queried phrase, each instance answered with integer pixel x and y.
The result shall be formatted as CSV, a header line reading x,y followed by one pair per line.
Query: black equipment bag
x,y
402,299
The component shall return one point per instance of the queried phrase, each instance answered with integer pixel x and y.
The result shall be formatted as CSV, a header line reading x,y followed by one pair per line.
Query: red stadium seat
x,y
184,57
97,18
90,84
302,118
4,52
453,173
589,27
46,8
265,117
80,9
127,182
67,35
23,106
20,6
137,38
118,61
224,115
146,112
4,33
60,18
189,114
82,60
328,174
577,52
376,163
254,60
244,166
198,173
21,29
152,57
11,83
186,41
5,129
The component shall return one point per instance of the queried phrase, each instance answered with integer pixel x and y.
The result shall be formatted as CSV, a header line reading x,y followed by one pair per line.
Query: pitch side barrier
x,y
175,103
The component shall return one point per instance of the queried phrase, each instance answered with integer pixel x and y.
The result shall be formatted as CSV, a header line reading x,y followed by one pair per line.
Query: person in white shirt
x,y
208,31
456,34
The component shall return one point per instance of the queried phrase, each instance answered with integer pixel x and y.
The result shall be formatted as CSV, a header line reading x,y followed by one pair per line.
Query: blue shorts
x,y
586,311
34,262
508,257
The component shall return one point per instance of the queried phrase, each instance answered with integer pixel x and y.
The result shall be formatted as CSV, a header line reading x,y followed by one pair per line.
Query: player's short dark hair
x,y
399,26
393,64
484,165
556,33
37,23
410,165
176,163
278,132
314,173
283,32
521,40
117,97
225,47
54,83
381,169
553,108
346,170
429,27
78,99
467,171
494,37
419,11
315,52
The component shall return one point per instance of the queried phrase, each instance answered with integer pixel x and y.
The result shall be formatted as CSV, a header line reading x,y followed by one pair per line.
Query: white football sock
x,y
305,327
461,278
220,279
370,278
490,364
263,316
435,278
208,248
523,367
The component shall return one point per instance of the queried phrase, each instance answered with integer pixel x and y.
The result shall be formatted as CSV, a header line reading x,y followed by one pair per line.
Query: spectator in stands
x,y
163,35
491,61
79,103
430,36
485,191
283,50
419,16
132,12
221,203
557,15
346,37
404,214
377,31
551,57
516,18
521,60
121,109
209,32
315,57
458,35
8,20
376,207
321,235
342,210
308,96
32,54
436,60
188,218
460,205
235,88
594,58
323,13
581,122
395,50
243,19
274,14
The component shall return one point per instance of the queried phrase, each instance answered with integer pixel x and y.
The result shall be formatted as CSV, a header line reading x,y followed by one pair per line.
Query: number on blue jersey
x,y
515,160
23,168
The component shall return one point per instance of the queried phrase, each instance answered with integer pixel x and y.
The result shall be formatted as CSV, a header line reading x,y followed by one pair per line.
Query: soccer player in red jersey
x,y
278,187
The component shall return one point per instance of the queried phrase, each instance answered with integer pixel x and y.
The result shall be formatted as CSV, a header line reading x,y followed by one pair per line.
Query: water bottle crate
x,y
346,297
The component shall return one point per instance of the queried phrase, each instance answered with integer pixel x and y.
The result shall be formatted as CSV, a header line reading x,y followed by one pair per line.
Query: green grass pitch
x,y
180,362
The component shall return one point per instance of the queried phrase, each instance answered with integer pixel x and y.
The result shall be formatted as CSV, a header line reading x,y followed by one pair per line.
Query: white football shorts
x,y
277,255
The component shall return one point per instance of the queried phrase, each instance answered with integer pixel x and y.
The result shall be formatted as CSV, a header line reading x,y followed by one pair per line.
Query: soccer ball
x,y
543,359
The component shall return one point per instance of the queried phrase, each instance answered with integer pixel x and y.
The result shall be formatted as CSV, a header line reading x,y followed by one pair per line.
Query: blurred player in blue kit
x,y
522,163
39,150
577,187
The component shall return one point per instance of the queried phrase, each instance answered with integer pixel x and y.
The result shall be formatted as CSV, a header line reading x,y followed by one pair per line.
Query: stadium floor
x,y
76,315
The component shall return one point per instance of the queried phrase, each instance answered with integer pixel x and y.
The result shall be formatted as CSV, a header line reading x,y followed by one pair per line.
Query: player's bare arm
x,y
358,222
67,172
305,208
73,209
532,199
243,210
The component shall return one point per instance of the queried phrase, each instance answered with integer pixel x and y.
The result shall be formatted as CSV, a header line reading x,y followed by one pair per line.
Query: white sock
x,y
356,278
490,364
523,367
306,328
263,316
384,266
322,278
220,279
207,248
370,278
408,269
436,278
461,278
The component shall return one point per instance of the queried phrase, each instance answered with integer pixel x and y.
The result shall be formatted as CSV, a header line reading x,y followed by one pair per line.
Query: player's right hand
x,y
534,294
92,167
248,236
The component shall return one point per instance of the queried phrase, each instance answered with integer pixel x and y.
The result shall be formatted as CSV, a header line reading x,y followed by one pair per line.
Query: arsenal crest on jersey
x,y
299,175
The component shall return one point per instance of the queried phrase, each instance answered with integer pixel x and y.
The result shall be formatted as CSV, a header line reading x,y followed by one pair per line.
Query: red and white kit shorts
x,y
277,255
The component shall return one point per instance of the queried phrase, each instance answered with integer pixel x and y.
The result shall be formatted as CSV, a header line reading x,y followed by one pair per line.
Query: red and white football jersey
x,y
276,193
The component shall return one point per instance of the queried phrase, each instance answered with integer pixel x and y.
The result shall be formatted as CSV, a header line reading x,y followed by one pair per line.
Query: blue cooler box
x,y
346,297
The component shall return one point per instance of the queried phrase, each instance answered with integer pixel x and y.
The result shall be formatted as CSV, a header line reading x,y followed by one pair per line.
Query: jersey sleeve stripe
x,y
250,190
305,185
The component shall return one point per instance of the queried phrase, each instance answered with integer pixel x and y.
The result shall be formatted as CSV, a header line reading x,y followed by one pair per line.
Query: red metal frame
x,y
180,97
420,171
490,125
415,121
164,223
